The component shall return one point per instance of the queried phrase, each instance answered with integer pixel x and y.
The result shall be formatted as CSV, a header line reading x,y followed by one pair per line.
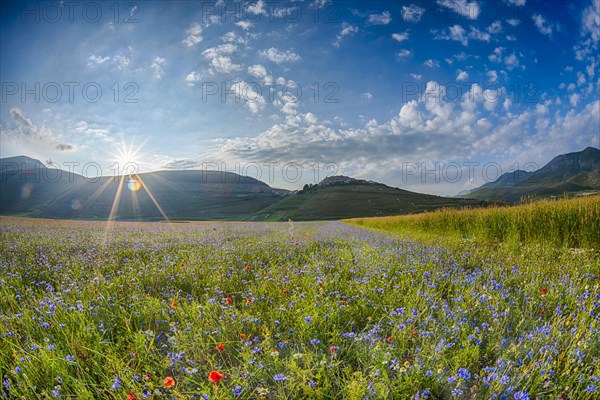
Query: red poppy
x,y
247,268
220,347
174,304
228,300
182,263
248,300
332,348
389,339
284,291
242,336
169,382
130,396
215,377
148,377
544,291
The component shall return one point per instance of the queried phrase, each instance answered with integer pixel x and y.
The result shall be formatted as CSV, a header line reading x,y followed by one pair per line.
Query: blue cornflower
x,y
55,393
521,396
308,320
451,379
279,377
591,388
426,393
457,392
237,390
117,383
70,357
504,380
464,373
312,383
315,341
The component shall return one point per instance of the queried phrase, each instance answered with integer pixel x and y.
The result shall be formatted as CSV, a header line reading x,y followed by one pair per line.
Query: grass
x,y
573,223
288,311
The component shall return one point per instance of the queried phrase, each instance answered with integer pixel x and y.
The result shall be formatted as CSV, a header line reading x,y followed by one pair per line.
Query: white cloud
x,y
542,25
257,71
347,30
496,56
590,21
192,78
492,76
156,68
462,75
222,49
367,96
245,25
412,13
574,99
517,2
26,131
495,27
278,56
224,64
476,34
247,93
96,60
416,77
404,53
257,8
193,35
513,21
511,62
319,4
400,37
121,61
380,19
463,7
431,63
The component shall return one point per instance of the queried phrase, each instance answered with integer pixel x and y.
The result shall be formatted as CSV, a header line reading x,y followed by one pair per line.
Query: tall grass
x,y
573,223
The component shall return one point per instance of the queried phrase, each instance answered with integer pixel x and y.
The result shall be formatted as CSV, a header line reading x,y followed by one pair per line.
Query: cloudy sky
x,y
432,96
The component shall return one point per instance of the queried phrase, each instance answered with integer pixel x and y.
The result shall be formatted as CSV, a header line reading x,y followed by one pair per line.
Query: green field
x,y
303,310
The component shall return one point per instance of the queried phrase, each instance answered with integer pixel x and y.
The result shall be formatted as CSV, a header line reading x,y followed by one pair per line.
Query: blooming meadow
x,y
286,311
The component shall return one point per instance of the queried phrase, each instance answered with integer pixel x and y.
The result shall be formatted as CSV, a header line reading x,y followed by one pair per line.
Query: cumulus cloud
x,y
404,53
156,67
412,13
279,57
194,35
400,37
380,19
257,71
248,93
26,131
469,9
542,25
347,30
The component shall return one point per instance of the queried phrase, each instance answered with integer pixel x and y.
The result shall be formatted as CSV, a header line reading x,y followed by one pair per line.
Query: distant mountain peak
x,y
345,180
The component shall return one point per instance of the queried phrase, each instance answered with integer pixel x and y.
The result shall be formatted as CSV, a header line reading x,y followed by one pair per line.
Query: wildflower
x,y
130,396
55,393
591,388
215,377
169,382
262,391
544,291
521,396
70,357
174,304
247,268
248,300
228,300
312,383
426,393
315,341
237,390
464,373
220,347
117,383
279,377
333,349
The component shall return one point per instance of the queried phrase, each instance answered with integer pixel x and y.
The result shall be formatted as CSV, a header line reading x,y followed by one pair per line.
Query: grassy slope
x,y
348,201
569,222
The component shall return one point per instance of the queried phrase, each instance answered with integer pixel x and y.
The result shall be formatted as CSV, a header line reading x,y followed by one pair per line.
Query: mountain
x,y
566,173
28,188
338,197
195,195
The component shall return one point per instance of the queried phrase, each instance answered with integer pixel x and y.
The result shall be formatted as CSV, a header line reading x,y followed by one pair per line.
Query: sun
x,y
126,158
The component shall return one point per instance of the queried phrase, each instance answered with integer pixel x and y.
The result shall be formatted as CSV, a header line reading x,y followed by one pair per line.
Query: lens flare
x,y
133,184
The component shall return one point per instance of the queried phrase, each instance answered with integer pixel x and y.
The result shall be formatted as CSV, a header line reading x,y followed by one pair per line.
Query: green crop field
x,y
305,310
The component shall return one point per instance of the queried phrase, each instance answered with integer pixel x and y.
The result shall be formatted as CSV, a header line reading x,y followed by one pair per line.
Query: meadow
x,y
294,311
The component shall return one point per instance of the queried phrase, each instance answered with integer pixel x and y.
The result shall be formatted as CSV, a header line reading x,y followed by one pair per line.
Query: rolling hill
x,y
28,188
567,173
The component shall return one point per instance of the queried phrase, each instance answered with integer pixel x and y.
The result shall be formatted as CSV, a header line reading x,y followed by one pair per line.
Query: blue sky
x,y
432,96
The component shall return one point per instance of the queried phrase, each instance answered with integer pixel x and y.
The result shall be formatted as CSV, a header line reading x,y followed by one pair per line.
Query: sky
x,y
435,96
